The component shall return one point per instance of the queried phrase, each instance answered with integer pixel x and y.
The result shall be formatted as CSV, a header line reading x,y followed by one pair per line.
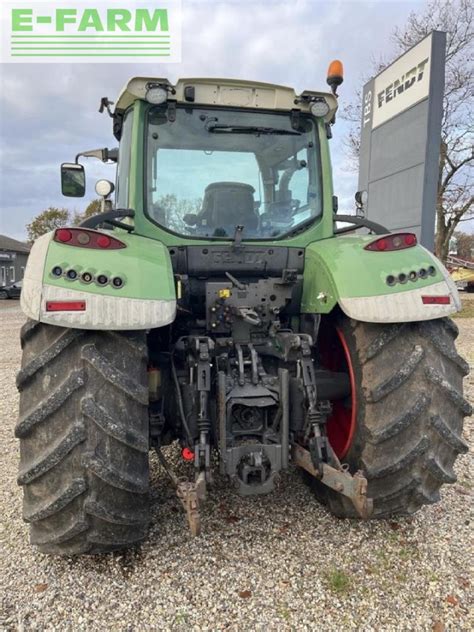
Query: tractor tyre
x,y
83,430
407,412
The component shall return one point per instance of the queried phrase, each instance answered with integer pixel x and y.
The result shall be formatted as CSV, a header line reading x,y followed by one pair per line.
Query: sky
x,y
49,112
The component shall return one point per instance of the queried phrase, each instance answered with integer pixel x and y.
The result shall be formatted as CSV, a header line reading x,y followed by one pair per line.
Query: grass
x,y
284,613
338,581
181,618
464,482
407,553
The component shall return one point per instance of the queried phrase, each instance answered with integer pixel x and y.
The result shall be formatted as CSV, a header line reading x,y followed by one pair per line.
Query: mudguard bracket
x,y
340,480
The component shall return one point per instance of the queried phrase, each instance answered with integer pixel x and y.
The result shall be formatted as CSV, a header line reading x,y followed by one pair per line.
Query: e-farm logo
x,y
86,31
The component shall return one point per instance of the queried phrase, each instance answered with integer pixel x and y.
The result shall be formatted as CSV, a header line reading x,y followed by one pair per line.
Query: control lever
x,y
249,316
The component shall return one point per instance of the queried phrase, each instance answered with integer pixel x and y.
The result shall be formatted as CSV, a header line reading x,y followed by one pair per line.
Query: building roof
x,y
8,243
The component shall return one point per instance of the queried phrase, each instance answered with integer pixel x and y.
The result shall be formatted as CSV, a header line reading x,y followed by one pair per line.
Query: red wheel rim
x,y
342,422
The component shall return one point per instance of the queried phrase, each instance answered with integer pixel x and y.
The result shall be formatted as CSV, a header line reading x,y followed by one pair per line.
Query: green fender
x,y
339,271
146,298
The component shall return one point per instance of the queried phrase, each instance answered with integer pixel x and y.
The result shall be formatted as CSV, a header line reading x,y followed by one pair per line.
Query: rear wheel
x,y
402,424
83,431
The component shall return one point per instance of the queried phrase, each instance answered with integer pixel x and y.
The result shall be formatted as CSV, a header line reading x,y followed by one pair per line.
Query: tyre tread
x,y
410,423
26,424
46,356
113,375
401,375
97,415
56,453
110,426
56,502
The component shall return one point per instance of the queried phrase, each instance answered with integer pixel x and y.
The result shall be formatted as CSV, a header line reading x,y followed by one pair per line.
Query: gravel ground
x,y
279,562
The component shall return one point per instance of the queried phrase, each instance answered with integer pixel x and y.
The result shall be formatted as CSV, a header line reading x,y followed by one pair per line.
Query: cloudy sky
x,y
48,113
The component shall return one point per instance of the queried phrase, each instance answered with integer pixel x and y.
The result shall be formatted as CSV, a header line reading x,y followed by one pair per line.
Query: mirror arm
x,y
359,222
103,154
109,217
112,222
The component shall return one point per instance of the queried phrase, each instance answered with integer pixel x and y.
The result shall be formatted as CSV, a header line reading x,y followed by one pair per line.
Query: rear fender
x,y
339,271
146,299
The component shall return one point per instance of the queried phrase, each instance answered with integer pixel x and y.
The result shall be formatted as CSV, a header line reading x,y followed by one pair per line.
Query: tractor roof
x,y
227,92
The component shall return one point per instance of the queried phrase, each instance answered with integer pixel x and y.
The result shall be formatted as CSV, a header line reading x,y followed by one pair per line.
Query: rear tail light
x,y
63,234
436,300
103,241
65,306
397,241
86,238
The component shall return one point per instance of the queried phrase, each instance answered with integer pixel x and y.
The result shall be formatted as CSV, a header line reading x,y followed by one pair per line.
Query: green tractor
x,y
217,304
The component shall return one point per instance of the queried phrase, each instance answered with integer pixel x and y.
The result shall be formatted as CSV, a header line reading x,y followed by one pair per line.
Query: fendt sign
x,y
400,139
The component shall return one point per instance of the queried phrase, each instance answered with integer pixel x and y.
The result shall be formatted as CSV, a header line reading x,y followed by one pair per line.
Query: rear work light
x,y
436,300
65,306
86,238
397,241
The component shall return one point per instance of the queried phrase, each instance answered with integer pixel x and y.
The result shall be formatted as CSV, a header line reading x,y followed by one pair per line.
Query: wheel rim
x,y
341,424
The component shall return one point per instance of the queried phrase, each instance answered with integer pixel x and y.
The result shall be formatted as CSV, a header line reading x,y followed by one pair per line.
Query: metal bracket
x,y
186,492
353,487
237,243
295,118
171,111
203,385
190,494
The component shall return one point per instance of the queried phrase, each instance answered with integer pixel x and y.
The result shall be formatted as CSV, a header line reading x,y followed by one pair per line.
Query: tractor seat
x,y
227,204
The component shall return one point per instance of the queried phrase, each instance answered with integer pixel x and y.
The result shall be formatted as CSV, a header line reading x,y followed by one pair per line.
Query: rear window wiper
x,y
244,129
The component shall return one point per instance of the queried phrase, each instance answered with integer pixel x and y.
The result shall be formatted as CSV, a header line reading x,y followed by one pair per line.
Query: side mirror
x,y
73,180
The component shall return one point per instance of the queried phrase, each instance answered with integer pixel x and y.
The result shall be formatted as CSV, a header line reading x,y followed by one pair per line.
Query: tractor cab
x,y
219,153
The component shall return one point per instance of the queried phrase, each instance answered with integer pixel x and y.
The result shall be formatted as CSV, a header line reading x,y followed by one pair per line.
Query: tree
x,y
455,196
92,208
54,217
170,211
464,245
47,220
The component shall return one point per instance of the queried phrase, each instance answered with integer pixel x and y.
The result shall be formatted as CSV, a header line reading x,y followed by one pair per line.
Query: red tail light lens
x,y
65,306
397,241
86,238
63,234
436,300
103,241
